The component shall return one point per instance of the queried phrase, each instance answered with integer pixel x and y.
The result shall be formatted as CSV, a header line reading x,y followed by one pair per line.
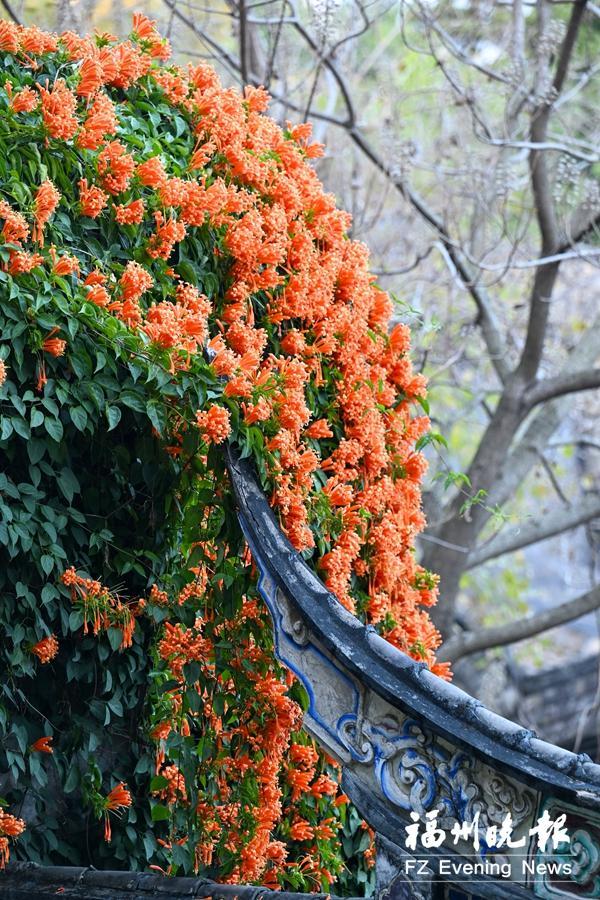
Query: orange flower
x,y
21,262
115,167
299,782
98,295
35,41
303,755
95,277
101,120
42,377
46,649
168,233
131,213
2,372
118,798
324,785
92,199
135,281
15,228
214,423
10,826
53,345
202,155
24,100
42,745
4,847
46,201
175,789
442,670
58,110
319,429
9,37
151,172
66,265
301,830
91,77
144,28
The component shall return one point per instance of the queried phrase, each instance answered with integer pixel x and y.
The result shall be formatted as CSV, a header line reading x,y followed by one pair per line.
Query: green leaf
x,y
68,484
160,813
113,414
36,447
194,701
158,783
72,780
133,400
149,845
6,429
21,427
49,593
54,428
37,418
79,417
115,637
47,563
115,706
75,620
155,412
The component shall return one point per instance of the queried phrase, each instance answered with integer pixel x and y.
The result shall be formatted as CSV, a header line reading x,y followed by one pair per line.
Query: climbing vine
x,y
174,276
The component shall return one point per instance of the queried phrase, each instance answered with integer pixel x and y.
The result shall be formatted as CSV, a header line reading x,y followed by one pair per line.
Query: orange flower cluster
x,y
25,100
302,349
256,746
101,121
15,230
10,827
58,110
53,345
286,717
175,791
118,798
130,213
99,604
92,199
115,167
214,424
180,645
65,265
46,649
46,201
42,745
293,247
182,325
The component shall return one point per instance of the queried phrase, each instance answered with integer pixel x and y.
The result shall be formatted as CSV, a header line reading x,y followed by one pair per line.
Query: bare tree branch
x,y
7,6
472,642
583,222
542,423
512,539
486,318
549,388
243,26
541,184
233,64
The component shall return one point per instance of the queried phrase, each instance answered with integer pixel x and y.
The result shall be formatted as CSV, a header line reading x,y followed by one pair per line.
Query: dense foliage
x,y
144,212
